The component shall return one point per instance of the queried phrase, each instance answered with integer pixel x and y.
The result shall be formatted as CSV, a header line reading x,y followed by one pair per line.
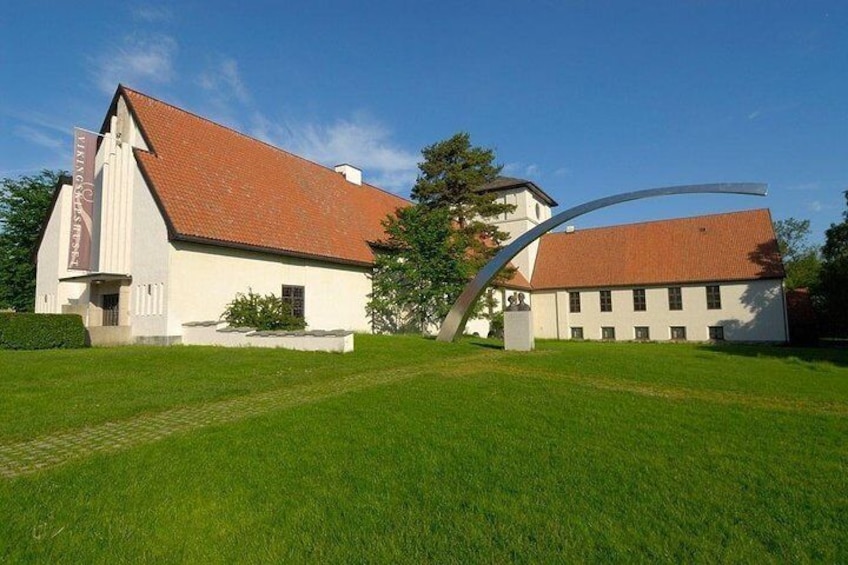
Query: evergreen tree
x,y
23,209
435,247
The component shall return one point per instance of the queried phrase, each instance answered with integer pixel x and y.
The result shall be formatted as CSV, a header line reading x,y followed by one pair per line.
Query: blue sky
x,y
585,98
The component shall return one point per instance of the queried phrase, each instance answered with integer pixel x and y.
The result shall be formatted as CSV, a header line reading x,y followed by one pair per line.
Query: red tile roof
x,y
721,247
216,185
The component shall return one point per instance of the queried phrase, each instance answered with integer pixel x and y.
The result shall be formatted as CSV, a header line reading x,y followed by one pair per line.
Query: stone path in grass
x,y
45,452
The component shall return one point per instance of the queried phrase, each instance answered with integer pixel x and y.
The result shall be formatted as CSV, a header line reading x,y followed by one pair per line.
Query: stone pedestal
x,y
518,331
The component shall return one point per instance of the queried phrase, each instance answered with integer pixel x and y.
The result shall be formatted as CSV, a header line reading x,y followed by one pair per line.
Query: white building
x,y
191,213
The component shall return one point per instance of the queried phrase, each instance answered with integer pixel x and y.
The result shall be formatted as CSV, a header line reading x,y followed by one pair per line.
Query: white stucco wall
x,y
52,260
750,311
150,256
204,279
521,220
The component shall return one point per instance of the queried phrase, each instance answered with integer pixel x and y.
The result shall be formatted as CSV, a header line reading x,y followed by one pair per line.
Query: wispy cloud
x,y
755,114
530,171
152,14
815,206
563,172
40,137
360,141
223,81
139,60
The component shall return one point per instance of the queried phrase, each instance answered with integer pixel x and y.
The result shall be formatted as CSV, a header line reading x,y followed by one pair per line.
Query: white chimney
x,y
352,174
569,229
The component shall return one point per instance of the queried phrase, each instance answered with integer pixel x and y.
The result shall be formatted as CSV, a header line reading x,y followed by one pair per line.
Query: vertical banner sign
x,y
82,207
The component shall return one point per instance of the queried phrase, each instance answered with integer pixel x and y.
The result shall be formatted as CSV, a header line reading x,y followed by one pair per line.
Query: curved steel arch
x,y
458,315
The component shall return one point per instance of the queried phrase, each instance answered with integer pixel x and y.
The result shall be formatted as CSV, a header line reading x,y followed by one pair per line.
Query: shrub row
x,y
41,331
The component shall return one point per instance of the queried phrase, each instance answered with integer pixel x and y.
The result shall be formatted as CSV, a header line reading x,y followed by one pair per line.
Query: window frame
x,y
646,337
675,298
605,298
296,303
713,330
640,300
575,330
610,330
678,338
574,302
713,297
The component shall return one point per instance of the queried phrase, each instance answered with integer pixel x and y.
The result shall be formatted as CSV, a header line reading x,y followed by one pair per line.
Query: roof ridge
x,y
684,218
246,136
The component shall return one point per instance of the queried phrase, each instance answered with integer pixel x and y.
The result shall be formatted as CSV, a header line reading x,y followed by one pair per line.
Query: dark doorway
x,y
109,303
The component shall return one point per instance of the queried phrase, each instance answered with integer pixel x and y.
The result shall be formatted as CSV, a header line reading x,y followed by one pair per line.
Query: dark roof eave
x,y
270,250
518,183
538,287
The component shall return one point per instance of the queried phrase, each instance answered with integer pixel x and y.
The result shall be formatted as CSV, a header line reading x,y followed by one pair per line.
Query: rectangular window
x,y
576,333
713,298
639,302
717,333
675,298
573,301
642,333
606,301
607,332
294,296
678,333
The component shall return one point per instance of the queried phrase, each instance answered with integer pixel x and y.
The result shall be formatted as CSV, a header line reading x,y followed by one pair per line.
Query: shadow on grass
x,y
487,344
837,356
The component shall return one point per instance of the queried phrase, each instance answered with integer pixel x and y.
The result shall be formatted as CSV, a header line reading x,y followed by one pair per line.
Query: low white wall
x,y
213,333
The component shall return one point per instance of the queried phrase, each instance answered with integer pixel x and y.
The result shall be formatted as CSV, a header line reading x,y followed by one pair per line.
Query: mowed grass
x,y
441,453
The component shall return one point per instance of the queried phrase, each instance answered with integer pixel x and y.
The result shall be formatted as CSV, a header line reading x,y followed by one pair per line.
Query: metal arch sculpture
x,y
458,315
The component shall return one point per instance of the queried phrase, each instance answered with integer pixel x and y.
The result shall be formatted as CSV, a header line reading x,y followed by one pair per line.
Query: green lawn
x,y
409,450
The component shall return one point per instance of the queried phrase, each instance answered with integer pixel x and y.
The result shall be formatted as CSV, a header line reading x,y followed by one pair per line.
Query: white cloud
x,y
137,61
224,82
39,137
152,14
755,114
562,172
520,169
815,206
361,142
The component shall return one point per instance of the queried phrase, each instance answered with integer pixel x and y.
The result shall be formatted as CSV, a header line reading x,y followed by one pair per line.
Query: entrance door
x,y
110,309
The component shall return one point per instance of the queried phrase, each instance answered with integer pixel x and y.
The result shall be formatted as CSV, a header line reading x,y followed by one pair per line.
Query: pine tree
x,y
435,247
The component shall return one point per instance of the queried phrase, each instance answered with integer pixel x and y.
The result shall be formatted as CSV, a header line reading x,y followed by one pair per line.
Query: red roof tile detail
x,y
216,184
721,247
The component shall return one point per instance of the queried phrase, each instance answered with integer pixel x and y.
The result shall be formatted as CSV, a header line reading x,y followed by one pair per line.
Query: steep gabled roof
x,y
721,247
216,185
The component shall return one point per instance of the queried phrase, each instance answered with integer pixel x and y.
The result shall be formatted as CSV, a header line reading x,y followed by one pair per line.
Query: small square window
x,y
678,333
713,297
607,332
606,301
574,302
675,298
642,333
639,302
576,333
717,333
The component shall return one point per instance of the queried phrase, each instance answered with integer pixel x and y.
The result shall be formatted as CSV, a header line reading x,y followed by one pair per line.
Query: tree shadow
x,y
835,355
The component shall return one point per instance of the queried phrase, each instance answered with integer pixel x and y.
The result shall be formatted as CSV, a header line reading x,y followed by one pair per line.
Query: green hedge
x,y
42,331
